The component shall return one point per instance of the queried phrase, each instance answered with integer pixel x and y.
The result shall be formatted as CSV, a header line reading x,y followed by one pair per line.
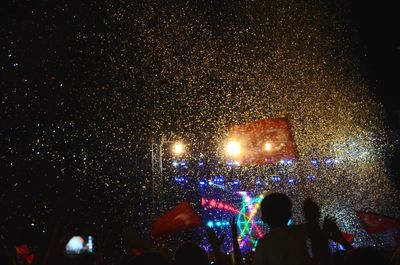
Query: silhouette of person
x,y
288,245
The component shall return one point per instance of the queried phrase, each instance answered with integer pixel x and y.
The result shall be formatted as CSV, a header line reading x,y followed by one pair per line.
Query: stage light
x,y
291,181
202,182
314,162
268,147
180,179
276,178
219,179
330,161
233,148
311,177
258,182
210,224
287,163
232,163
178,149
175,163
236,182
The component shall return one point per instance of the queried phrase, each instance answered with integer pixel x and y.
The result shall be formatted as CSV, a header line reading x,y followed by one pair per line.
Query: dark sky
x,y
377,44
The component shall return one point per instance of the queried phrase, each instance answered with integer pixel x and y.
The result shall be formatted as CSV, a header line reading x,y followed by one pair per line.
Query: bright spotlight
x,y
178,148
268,147
233,148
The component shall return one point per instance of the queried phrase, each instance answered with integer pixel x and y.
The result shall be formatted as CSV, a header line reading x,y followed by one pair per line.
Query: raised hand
x,y
236,249
234,228
214,240
331,229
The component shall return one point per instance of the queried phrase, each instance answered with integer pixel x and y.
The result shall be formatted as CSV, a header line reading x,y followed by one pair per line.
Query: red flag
x,y
180,218
349,237
376,223
265,141
29,258
22,249
25,252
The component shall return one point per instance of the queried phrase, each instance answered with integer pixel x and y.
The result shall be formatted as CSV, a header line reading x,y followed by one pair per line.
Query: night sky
x,y
84,86
376,44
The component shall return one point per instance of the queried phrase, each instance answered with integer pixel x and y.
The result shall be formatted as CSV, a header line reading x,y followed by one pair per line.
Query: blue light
x,y
287,163
276,178
180,179
258,182
232,163
183,163
219,179
236,182
201,163
290,222
202,182
210,224
314,162
311,177
218,223
291,181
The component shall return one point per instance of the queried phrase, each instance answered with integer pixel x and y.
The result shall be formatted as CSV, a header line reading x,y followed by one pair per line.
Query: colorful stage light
x,y
248,226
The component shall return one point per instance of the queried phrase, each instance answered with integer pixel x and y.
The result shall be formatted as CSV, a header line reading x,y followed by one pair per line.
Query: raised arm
x,y
238,258
332,231
215,243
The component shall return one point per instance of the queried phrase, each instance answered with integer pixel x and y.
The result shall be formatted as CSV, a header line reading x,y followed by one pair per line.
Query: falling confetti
x,y
79,125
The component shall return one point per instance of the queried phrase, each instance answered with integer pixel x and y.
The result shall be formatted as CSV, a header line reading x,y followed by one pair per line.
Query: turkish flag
x,y
22,249
376,223
265,141
29,258
180,218
349,237
25,252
